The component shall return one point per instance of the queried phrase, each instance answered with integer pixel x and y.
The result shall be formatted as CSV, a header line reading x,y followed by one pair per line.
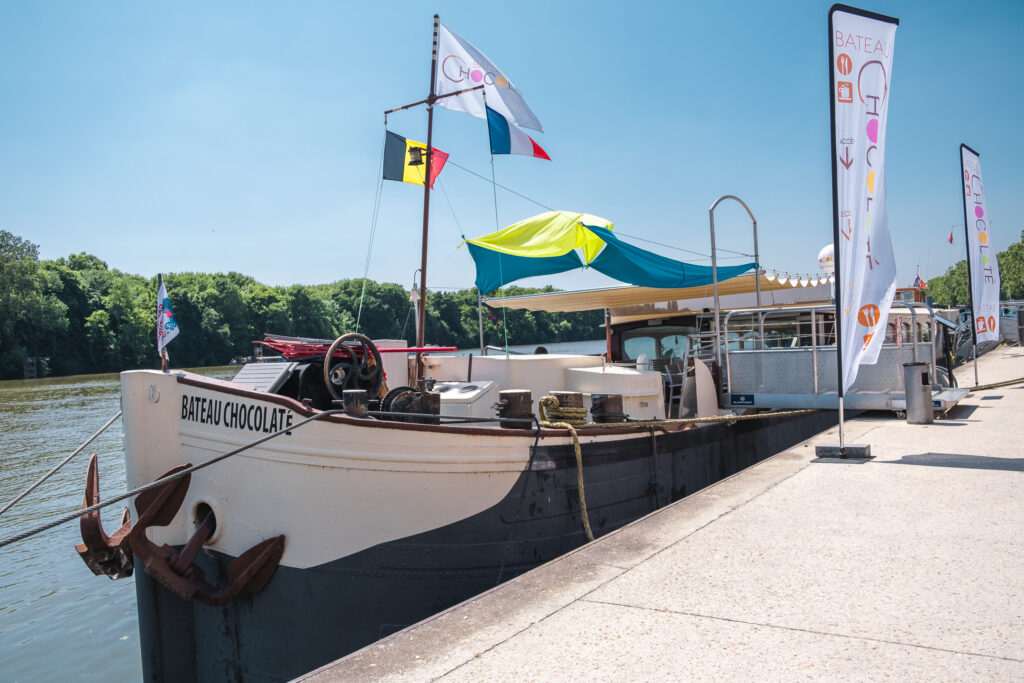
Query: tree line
x,y
951,289
77,315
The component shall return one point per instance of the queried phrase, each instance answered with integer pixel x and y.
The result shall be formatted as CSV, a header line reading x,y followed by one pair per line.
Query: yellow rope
x,y
550,403
983,387
549,407
574,418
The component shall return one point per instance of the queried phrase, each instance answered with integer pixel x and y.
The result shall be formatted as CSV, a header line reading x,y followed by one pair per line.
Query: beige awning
x,y
638,303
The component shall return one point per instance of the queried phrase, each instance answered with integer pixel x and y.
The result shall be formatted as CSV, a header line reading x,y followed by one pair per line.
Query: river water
x,y
57,620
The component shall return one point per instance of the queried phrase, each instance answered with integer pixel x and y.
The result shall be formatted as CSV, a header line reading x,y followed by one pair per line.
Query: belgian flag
x,y
406,160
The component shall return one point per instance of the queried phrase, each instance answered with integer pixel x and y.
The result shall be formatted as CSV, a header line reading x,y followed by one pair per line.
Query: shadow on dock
x,y
974,462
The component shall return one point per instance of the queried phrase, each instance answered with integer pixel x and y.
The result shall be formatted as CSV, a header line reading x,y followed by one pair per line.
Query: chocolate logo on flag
x,y
861,51
982,264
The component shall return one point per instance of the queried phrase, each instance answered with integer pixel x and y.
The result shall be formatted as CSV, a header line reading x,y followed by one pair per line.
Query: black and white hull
x,y
385,523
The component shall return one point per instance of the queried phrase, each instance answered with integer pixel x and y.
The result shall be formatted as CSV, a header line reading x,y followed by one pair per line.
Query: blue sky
x,y
246,136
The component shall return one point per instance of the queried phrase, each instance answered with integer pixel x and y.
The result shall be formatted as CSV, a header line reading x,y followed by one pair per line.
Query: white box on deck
x,y
467,399
641,390
539,373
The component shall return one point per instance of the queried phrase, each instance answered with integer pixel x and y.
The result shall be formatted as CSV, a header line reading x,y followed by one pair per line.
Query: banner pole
x,y
837,249
865,280
976,382
967,257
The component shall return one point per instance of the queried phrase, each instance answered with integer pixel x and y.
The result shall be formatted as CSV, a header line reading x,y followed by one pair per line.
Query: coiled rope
x,y
550,406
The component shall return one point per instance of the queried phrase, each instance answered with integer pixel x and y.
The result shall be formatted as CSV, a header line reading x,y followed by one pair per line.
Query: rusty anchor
x,y
175,570
107,555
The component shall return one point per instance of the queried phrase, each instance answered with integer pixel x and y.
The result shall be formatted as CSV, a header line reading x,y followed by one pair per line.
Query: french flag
x,y
508,138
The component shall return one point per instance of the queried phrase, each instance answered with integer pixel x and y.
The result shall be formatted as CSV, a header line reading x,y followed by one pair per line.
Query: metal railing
x,y
812,329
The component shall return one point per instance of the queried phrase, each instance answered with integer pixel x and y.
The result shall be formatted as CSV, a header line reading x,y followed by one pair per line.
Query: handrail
x,y
762,314
511,352
714,263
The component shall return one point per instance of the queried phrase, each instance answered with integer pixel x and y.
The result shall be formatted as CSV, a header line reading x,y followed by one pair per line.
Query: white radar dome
x,y
826,260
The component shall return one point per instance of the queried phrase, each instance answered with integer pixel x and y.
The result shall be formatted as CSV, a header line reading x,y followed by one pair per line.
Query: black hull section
x,y
308,617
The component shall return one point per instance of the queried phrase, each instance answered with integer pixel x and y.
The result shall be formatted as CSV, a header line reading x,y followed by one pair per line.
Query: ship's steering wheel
x,y
361,369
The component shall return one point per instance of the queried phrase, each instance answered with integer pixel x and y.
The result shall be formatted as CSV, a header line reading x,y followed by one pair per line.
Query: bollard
x,y
515,403
354,402
606,408
919,393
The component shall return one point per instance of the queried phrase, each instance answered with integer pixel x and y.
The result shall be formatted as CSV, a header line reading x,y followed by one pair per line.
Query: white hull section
x,y
332,487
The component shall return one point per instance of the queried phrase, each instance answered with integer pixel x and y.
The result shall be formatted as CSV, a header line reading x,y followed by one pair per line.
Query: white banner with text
x,y
981,253
862,53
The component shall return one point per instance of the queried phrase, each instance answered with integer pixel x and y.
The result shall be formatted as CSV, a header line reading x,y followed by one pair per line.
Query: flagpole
x,y
161,351
967,256
837,252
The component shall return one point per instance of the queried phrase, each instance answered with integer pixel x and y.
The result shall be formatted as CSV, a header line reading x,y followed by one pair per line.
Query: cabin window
x,y
668,343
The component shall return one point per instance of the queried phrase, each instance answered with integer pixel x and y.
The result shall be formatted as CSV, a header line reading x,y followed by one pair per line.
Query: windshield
x,y
667,342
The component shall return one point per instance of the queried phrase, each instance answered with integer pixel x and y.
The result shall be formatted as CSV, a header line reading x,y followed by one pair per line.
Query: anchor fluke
x,y
104,555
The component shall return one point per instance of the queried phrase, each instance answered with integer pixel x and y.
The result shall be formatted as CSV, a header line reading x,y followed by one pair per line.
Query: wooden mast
x,y
421,312
421,309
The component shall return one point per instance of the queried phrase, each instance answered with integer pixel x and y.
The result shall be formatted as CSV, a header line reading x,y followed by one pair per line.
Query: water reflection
x,y
57,620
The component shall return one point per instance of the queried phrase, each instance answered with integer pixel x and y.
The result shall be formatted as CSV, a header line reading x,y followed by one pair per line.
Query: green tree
x,y
79,315
100,341
950,289
1011,270
31,314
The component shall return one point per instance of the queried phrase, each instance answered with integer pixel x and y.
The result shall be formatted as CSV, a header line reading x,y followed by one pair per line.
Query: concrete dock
x,y
906,566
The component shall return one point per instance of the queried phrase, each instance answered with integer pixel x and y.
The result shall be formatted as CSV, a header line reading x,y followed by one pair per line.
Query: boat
x,y
311,506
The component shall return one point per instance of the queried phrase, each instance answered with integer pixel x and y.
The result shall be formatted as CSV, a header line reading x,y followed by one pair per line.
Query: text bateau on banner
x,y
860,75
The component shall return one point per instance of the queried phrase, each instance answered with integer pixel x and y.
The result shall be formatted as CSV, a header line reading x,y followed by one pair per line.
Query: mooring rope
x,y
572,419
996,385
159,482
629,423
551,403
63,462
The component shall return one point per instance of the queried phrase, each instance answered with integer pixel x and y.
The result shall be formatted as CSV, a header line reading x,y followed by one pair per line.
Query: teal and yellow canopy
x,y
547,244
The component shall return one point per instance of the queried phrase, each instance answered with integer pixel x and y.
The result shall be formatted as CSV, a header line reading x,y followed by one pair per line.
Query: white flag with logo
x,y
861,51
166,325
461,66
981,254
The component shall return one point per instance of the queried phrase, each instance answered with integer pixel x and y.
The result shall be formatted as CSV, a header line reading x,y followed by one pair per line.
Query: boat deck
x,y
906,566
